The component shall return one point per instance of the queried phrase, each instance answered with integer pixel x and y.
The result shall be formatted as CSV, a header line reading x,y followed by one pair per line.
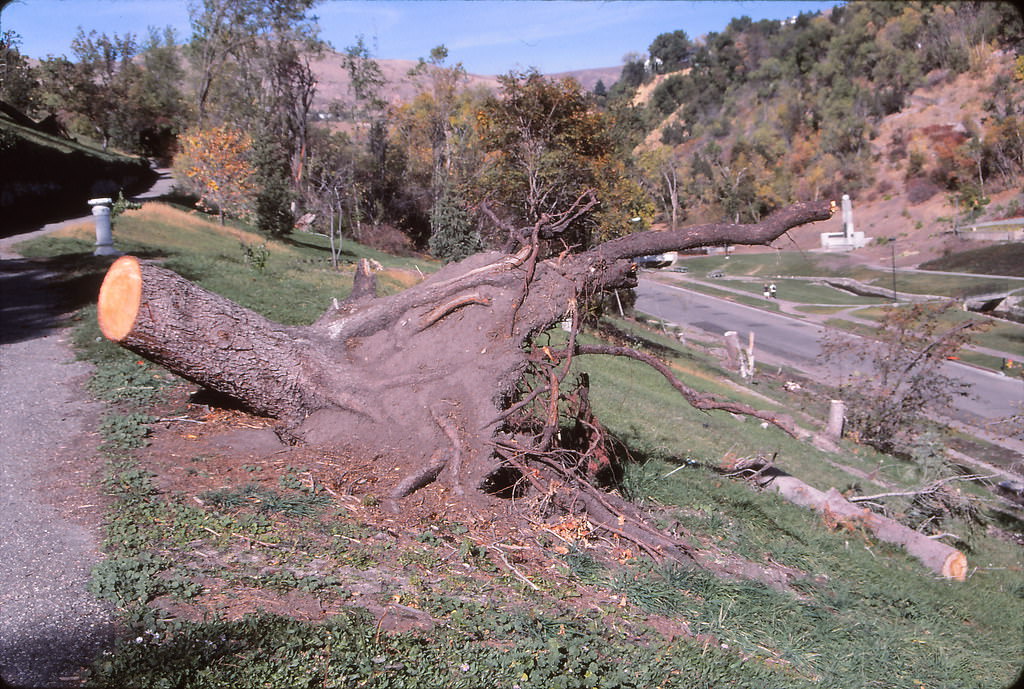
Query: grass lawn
x,y
953,286
294,285
803,292
776,264
1000,259
223,535
1002,335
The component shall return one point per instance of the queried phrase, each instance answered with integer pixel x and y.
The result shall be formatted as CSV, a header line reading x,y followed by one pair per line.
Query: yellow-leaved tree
x,y
215,162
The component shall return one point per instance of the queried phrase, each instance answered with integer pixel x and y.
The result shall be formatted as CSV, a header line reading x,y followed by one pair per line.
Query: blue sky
x,y
488,37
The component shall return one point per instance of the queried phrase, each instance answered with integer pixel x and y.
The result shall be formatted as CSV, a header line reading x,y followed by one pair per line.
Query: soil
x,y
203,449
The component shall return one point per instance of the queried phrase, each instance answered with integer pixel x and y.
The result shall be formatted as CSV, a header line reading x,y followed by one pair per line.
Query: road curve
x,y
796,342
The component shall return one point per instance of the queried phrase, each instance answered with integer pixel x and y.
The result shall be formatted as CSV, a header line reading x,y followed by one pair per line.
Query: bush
x,y
920,190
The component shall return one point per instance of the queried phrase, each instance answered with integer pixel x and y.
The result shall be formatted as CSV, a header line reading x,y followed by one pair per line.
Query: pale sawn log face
x,y
203,337
120,296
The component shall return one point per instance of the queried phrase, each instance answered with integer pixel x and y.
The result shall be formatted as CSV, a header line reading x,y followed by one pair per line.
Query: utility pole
x,y
895,299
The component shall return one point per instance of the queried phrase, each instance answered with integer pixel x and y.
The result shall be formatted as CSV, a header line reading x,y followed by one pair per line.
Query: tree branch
x,y
772,227
696,399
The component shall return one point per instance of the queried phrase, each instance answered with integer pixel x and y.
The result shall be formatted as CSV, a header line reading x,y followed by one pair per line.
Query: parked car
x,y
657,260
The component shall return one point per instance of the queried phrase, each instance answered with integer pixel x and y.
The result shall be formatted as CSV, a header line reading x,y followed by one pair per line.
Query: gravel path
x,y
50,626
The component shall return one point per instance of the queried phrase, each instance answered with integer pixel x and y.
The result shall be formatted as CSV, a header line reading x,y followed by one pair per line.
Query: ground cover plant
x,y
241,562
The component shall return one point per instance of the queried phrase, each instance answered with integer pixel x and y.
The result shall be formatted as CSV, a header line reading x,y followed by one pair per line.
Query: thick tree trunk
x,y
425,377
207,339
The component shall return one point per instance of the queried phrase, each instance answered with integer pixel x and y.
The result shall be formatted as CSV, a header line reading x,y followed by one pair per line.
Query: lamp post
x,y
895,299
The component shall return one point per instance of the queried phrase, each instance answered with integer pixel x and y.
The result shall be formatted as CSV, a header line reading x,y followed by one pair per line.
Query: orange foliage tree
x,y
217,164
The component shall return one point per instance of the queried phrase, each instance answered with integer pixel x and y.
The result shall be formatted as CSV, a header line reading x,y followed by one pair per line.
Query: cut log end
x,y
955,566
120,296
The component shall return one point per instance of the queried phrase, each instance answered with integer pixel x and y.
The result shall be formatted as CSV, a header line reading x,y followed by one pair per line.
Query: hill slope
x,y
44,177
914,111
333,80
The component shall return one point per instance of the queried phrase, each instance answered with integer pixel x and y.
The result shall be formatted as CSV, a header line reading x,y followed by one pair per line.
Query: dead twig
x,y
519,575
929,489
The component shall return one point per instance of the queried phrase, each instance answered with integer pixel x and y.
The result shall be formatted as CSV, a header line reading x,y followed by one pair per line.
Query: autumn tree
x,y
252,60
96,90
157,94
333,191
18,84
661,171
367,168
217,163
546,145
437,131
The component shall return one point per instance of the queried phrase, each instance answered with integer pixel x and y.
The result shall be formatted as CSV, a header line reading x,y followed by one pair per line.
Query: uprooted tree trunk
x,y
437,378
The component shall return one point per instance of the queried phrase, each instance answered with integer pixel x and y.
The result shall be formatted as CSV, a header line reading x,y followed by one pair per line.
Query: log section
x,y
940,558
207,339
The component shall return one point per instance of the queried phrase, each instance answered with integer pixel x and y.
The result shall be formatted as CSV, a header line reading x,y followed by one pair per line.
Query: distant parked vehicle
x,y
657,260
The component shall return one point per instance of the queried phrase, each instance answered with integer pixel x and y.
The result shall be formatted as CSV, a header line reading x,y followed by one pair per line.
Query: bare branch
x,y
925,490
553,225
714,234
696,399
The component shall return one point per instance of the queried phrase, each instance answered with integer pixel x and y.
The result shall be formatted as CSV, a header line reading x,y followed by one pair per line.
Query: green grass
x,y
820,310
997,334
803,292
1001,259
953,286
780,265
295,287
866,615
776,264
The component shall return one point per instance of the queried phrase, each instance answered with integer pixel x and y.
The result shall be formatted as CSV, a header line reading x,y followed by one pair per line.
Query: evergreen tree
x,y
452,235
274,195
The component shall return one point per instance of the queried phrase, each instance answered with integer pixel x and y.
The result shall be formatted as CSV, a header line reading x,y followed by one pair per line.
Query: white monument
x,y
848,239
104,236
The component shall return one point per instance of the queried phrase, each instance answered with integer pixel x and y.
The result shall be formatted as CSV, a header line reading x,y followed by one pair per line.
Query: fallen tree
x,y
446,379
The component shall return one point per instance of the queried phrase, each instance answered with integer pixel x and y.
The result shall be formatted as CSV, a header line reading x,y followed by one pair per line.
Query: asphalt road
x,y
50,625
797,342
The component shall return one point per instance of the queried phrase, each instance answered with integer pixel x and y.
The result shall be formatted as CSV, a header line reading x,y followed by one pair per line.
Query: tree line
x,y
750,119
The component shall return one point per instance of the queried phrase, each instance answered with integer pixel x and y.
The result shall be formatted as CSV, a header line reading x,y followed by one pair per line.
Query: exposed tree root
x,y
419,479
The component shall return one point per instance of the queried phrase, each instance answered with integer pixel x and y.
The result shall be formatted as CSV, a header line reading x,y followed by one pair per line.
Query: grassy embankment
x,y
865,615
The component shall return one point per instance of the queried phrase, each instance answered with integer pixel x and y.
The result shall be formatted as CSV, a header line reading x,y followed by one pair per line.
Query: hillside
x,y
914,111
333,80
888,207
44,176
